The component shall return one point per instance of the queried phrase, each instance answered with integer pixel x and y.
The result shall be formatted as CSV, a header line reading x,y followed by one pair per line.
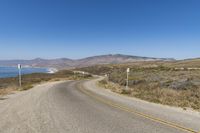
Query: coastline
x,y
14,73
52,70
49,69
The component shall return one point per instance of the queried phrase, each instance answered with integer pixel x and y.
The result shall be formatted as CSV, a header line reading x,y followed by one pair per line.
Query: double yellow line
x,y
132,111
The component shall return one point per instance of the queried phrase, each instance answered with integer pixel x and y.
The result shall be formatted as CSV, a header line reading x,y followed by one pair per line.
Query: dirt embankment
x,y
8,85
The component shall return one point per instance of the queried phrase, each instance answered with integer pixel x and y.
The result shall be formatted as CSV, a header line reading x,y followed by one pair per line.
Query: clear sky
x,y
81,28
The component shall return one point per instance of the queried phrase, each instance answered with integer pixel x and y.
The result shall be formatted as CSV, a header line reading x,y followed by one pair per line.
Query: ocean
x,y
6,72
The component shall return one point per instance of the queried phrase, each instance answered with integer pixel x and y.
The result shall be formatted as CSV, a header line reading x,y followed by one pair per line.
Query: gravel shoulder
x,y
26,111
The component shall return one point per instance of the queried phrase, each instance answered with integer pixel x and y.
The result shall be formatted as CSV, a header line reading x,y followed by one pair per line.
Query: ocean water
x,y
13,71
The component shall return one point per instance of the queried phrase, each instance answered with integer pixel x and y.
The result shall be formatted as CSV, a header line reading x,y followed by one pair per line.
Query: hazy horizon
x,y
89,57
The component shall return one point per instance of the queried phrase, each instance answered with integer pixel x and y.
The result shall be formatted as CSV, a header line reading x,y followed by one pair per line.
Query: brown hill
x,y
65,63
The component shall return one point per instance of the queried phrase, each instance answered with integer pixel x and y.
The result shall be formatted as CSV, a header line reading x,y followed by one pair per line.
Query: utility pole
x,y
127,71
20,75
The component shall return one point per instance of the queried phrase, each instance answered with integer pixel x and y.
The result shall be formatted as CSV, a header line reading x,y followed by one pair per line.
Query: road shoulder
x,y
190,119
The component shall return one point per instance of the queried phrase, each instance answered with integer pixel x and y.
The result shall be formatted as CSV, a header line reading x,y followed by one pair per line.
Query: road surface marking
x,y
152,118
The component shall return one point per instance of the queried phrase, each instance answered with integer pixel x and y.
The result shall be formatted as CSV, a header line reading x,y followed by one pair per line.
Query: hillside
x,y
175,83
65,63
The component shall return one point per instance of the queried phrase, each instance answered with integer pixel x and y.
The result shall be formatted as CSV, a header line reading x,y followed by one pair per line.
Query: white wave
x,y
52,70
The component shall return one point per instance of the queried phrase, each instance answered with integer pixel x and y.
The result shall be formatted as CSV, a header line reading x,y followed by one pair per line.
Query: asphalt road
x,y
81,107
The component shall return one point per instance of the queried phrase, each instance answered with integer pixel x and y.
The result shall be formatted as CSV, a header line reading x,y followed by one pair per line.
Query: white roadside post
x,y
74,75
106,77
20,75
128,71
83,74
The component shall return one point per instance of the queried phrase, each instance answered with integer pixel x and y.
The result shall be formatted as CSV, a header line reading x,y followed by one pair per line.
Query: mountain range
x,y
65,63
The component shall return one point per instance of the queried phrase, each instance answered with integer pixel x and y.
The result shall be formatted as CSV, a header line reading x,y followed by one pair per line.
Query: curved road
x,y
81,107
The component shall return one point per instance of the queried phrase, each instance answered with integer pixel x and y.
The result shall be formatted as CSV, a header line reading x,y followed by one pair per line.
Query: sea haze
x,y
6,72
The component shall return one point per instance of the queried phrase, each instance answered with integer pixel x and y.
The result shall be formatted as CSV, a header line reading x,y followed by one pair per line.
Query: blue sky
x,y
81,28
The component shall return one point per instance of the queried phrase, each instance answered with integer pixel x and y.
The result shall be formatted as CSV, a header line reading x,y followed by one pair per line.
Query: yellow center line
x,y
132,111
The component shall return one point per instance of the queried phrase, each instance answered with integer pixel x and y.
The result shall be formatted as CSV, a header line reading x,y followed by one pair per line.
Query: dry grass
x,y
183,98
158,82
8,90
7,85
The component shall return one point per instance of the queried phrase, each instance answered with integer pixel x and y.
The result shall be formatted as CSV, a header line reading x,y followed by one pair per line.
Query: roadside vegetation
x,y
8,85
171,83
